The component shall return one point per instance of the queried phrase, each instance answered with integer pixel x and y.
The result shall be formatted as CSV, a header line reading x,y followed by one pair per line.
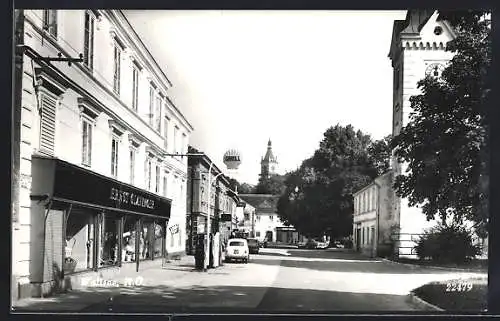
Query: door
x,y
269,236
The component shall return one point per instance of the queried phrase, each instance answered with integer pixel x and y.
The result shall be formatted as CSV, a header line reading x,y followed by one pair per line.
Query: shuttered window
x,y
116,68
47,124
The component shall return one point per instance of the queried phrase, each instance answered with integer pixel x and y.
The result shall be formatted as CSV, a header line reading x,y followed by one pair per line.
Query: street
x,y
275,280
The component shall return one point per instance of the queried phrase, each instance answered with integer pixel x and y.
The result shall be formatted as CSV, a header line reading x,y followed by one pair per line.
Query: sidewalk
x,y
173,272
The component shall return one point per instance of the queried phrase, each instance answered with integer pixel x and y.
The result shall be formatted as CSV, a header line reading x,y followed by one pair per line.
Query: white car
x,y
237,249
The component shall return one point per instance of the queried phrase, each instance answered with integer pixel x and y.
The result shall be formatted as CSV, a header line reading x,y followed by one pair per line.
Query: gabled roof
x,y
261,202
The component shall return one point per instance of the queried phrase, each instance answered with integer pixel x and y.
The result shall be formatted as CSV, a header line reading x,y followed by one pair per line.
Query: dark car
x,y
253,246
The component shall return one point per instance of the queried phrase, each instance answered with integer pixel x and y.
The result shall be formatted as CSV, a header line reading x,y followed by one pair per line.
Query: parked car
x,y
253,246
263,243
302,245
338,244
237,250
321,245
311,244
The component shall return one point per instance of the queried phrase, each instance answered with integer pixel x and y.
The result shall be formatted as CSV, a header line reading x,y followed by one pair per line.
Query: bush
x,y
447,244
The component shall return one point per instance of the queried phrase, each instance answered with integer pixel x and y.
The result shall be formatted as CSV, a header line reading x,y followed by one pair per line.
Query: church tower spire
x,y
269,162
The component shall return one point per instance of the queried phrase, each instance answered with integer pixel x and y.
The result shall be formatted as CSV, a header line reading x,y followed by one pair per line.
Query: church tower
x,y
417,50
268,163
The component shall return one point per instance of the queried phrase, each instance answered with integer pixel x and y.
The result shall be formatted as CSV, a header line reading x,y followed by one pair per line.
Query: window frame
x,y
117,57
135,85
89,39
115,150
132,163
50,22
87,122
157,178
152,99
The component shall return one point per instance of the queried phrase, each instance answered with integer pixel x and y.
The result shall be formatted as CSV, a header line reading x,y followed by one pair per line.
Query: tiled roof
x,y
261,202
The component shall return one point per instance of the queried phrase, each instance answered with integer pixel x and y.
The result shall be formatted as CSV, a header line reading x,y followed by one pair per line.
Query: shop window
x,y
146,240
109,244
80,240
159,238
129,233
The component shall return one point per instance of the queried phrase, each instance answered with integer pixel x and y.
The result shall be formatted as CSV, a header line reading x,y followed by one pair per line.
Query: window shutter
x,y
48,124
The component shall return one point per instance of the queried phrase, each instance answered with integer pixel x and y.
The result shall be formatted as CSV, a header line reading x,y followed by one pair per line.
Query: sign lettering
x,y
131,198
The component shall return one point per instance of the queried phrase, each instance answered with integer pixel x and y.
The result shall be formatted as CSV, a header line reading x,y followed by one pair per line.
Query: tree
x,y
318,195
241,188
445,143
274,184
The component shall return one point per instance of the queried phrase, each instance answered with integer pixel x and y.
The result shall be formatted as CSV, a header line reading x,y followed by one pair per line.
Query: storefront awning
x,y
63,181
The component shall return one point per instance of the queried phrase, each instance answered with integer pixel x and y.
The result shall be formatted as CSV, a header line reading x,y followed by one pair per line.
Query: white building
x,y
107,121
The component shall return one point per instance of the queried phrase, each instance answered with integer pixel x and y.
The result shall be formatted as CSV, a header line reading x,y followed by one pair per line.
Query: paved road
x,y
276,280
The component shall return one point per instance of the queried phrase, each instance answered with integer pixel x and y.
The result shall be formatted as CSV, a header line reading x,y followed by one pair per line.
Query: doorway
x,y
358,239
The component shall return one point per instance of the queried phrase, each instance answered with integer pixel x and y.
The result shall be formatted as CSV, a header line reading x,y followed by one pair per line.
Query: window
x,y
183,147
176,129
165,184
88,43
257,234
47,123
258,218
135,87
86,141
116,68
368,201
165,131
271,217
157,181
132,153
80,239
109,231
157,116
151,103
50,22
147,173
114,156
159,237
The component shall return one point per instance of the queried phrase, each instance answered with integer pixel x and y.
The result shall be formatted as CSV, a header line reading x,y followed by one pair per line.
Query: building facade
x,y
417,49
222,204
268,163
94,188
373,218
268,225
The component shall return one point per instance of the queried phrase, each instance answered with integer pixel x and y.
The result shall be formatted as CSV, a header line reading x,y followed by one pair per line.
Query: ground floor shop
x,y
85,224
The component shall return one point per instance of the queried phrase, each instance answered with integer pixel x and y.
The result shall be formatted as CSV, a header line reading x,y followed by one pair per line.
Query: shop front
x,y
85,224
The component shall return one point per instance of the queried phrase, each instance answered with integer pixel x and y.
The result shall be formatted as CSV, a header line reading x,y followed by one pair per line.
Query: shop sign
x,y
174,229
225,217
72,182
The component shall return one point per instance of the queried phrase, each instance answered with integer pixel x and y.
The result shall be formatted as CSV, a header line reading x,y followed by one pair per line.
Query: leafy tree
x,y
445,143
274,184
318,196
242,188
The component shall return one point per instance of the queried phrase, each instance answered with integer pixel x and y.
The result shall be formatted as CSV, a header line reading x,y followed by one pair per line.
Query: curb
x,y
435,267
420,303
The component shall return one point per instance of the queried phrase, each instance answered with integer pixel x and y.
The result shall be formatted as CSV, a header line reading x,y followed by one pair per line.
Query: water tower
x,y
232,160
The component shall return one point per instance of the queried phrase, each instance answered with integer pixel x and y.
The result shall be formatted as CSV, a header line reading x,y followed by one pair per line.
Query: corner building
x,y
95,193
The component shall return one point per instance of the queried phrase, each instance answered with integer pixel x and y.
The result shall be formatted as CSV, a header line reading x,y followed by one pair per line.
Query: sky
x,y
244,77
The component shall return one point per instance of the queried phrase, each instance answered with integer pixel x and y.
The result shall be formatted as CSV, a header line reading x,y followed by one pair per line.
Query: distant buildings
x,y
92,189
222,204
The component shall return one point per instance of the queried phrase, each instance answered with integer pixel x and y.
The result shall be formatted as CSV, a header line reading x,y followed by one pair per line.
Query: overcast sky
x,y
242,77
